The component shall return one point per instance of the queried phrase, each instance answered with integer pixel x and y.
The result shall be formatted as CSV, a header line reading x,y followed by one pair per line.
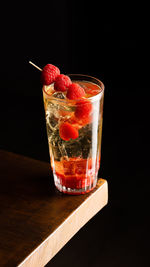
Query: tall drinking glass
x,y
75,159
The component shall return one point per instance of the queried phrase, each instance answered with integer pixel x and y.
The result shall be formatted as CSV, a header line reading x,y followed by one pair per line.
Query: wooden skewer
x,y
35,65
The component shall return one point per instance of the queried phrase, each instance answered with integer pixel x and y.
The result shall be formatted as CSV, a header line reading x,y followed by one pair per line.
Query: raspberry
x,y
62,83
75,91
83,109
67,131
49,74
74,122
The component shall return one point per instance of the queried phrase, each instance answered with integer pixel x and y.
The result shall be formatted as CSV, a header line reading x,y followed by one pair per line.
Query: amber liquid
x,y
75,163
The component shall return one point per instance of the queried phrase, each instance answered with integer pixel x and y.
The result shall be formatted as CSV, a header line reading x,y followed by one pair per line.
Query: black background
x,y
111,44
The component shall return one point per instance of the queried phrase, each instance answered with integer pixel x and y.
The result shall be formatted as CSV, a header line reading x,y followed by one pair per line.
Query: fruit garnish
x,y
74,122
62,83
49,74
67,131
83,109
75,91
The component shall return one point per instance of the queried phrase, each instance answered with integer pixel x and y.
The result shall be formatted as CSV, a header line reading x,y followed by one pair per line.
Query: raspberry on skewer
x,y
75,91
62,83
49,73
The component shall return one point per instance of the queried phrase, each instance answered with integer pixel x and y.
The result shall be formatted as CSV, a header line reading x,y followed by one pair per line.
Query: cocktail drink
x,y
74,129
74,114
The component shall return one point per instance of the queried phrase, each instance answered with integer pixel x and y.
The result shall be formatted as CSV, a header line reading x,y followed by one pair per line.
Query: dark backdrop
x,y
111,44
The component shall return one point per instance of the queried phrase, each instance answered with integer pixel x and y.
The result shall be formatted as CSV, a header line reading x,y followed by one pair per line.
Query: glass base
x,y
75,191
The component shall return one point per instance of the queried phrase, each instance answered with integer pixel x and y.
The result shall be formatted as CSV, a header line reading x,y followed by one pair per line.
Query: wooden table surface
x,y
36,220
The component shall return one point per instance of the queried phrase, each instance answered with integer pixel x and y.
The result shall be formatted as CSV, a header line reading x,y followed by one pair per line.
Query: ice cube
x,y
59,95
52,110
73,148
55,151
62,150
69,167
85,137
51,123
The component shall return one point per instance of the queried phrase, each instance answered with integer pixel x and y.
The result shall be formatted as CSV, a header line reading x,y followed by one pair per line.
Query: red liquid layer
x,y
76,173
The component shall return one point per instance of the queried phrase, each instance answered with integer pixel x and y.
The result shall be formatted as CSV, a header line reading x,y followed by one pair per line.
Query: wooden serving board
x,y
36,220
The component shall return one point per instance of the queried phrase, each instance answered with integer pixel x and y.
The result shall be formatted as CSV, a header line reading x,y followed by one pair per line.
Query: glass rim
x,y
84,76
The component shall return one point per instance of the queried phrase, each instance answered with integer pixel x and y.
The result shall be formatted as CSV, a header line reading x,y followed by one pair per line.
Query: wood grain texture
x,y
36,220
